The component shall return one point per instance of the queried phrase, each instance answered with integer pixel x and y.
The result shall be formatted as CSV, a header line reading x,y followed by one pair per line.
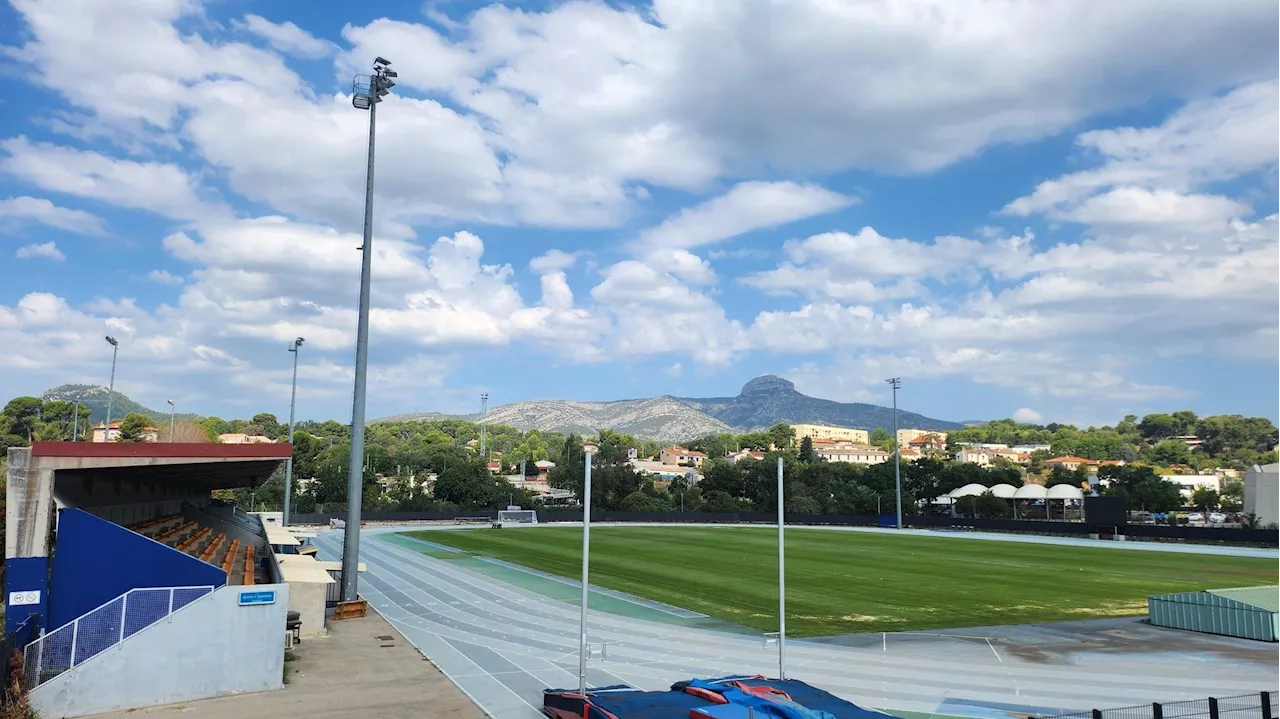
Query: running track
x,y
502,645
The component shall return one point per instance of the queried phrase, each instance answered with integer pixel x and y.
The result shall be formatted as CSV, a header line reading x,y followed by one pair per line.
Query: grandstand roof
x,y
194,466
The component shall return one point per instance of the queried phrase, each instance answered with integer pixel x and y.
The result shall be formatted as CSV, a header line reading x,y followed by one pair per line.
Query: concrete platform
x,y
352,672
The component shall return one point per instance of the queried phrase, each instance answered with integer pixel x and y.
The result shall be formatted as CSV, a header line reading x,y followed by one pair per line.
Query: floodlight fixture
x,y
381,61
112,341
391,73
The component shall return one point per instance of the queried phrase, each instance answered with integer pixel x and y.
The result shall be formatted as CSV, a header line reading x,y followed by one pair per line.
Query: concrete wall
x,y
1260,492
212,647
307,599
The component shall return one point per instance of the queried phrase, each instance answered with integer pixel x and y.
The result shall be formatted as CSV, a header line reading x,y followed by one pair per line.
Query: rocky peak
x,y
767,384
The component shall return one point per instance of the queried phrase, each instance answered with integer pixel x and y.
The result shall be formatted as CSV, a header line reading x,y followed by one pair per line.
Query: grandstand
x,y
103,541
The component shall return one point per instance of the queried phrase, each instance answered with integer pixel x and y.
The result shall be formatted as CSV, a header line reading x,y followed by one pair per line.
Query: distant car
x,y
1195,517
1217,517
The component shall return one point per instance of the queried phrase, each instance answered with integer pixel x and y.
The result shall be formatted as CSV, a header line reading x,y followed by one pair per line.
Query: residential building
x,y
1260,492
666,471
822,431
1192,441
675,454
984,445
856,455
632,453
1029,448
744,454
929,444
906,435
149,434
1071,462
1189,483
975,455
543,466
908,454
241,438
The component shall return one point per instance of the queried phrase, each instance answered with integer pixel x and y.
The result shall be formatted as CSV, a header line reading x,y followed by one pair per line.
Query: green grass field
x,y
845,582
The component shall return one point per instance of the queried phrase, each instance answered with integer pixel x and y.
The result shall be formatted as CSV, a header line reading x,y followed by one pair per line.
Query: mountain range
x,y
95,398
764,401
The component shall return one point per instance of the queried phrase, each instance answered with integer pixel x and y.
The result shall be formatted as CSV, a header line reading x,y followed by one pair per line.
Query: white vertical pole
x,y
586,562
124,611
782,584
75,635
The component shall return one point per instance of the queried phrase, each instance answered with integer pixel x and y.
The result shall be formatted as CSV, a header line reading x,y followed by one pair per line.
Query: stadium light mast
x,y
111,388
172,409
484,411
588,448
288,466
366,92
782,584
896,383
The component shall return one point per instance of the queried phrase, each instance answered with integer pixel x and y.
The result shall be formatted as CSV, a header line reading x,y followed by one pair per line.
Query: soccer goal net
x,y
518,516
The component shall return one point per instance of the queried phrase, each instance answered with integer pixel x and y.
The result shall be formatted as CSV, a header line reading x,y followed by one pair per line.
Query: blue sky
x,y
1041,212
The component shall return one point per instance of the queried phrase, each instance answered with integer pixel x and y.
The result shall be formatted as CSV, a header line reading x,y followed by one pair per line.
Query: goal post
x,y
517,516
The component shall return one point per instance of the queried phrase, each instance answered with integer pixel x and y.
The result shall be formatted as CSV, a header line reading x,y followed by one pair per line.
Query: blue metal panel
x,y
25,579
97,561
1213,614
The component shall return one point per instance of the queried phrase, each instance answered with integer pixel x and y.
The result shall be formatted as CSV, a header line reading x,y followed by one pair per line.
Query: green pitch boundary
x,y
607,602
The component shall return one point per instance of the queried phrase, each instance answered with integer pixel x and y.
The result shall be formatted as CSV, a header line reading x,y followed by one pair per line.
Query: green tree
x,y
23,414
806,453
1171,451
781,436
133,427
1205,499
880,435
1155,427
1232,498
269,424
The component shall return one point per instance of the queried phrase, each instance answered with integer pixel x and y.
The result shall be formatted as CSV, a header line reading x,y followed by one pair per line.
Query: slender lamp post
x,y
111,388
288,467
367,92
172,409
782,584
588,448
75,423
896,383
484,411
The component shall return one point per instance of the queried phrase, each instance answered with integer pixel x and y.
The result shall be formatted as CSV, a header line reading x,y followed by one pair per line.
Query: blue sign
x,y
251,598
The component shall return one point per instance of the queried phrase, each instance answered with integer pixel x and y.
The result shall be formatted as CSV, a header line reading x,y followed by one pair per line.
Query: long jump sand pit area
x,y
503,634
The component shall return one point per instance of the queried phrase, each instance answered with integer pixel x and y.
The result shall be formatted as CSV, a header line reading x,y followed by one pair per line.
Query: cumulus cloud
x,y
1026,415
288,37
47,250
37,209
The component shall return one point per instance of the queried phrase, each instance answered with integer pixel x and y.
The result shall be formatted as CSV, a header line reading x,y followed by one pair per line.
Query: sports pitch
x,y
848,582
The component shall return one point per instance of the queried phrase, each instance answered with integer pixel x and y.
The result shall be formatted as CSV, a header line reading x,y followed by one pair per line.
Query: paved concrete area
x,y
363,668
504,643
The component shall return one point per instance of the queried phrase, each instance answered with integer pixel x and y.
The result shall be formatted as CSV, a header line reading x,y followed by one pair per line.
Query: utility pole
x,y
75,423
364,96
293,402
588,449
484,410
896,382
111,388
782,584
172,409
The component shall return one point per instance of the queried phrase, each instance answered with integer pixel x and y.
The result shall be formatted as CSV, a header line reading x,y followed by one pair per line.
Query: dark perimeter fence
x,y
1244,706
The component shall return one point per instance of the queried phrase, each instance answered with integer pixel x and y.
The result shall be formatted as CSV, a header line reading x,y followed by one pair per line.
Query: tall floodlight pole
x,y
172,409
288,466
896,383
366,94
484,410
782,584
111,388
588,449
75,423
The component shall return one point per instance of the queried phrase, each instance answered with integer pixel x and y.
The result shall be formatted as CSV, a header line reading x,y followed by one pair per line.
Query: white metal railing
x,y
103,628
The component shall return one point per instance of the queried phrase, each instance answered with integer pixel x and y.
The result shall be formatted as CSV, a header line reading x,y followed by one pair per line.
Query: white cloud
x,y
164,277
288,37
159,187
748,206
37,209
1026,415
553,261
47,250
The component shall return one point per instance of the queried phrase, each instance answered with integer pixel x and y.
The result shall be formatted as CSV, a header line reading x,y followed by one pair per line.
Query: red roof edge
x,y
278,450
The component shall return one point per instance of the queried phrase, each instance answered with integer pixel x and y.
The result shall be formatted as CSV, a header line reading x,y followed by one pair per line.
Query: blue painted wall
x,y
25,574
96,561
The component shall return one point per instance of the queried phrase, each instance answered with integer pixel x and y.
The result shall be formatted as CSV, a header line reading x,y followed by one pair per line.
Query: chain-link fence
x,y
1262,705
101,629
